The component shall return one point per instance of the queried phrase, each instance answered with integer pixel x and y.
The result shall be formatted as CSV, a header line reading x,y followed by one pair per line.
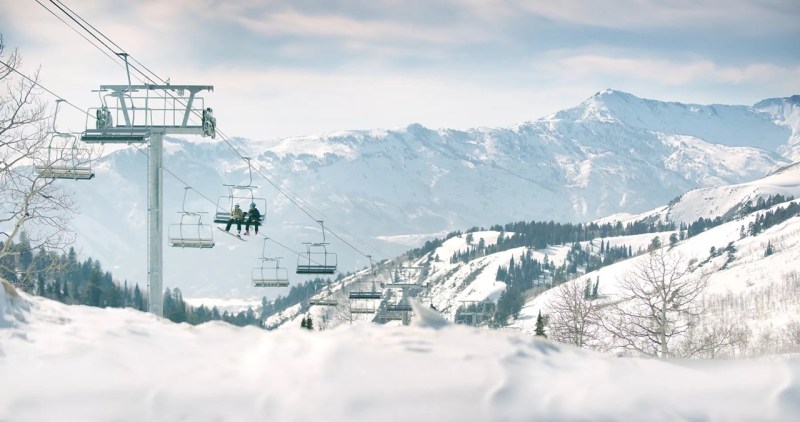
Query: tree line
x,y
66,279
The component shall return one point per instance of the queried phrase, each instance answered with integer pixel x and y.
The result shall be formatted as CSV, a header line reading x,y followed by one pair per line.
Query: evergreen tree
x,y
540,326
303,323
594,289
770,250
309,323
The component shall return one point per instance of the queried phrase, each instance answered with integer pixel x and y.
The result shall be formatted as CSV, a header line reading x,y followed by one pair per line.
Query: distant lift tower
x,y
144,114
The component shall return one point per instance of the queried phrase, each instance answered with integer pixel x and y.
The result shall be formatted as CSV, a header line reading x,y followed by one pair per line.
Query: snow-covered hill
x,y
757,289
75,363
387,190
722,201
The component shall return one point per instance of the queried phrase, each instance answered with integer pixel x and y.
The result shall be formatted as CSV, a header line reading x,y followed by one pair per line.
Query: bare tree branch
x,y
34,211
659,304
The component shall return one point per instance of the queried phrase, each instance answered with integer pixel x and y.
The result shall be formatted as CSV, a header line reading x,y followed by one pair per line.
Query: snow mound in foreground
x,y
119,364
12,305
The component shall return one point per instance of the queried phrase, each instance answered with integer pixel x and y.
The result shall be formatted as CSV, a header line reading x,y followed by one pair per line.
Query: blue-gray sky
x,y
290,68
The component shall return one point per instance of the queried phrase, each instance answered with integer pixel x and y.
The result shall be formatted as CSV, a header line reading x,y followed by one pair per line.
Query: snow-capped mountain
x,y
386,190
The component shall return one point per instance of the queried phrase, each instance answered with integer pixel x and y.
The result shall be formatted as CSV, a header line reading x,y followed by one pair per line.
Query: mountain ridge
x,y
382,185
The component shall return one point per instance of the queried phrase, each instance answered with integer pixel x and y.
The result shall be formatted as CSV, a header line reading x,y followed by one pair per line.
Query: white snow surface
x,y
722,201
75,363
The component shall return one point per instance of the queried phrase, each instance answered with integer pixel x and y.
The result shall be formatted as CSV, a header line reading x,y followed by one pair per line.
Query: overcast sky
x,y
291,68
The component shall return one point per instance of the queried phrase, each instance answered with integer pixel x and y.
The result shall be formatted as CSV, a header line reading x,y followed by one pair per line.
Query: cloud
x,y
740,16
674,72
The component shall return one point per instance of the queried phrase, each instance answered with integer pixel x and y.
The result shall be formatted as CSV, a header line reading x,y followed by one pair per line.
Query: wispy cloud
x,y
741,16
331,65
674,72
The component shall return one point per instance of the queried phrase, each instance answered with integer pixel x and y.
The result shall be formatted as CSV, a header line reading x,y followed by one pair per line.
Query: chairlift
x,y
104,130
324,298
270,273
323,302
398,307
316,259
373,294
190,232
242,195
65,158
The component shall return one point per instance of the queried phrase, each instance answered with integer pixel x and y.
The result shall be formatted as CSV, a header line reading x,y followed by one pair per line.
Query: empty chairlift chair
x,y
317,259
65,158
365,300
270,273
190,232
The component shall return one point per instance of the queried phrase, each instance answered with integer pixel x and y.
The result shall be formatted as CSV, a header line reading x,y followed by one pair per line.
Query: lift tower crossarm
x,y
119,91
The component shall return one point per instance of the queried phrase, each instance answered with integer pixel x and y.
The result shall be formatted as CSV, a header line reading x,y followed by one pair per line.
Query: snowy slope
x,y
74,363
382,189
767,286
722,201
785,112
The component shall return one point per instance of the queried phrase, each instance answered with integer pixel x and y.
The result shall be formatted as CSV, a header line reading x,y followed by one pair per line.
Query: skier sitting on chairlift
x,y
254,218
209,123
237,216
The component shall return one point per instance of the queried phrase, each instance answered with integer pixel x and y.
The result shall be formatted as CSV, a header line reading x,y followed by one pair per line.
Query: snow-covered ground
x,y
75,363
758,292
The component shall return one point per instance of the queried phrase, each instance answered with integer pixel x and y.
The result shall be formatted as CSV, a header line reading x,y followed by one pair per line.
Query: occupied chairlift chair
x,y
242,195
270,273
316,259
65,159
190,232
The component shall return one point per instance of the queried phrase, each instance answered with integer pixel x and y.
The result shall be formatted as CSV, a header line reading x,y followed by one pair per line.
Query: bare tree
x,y
711,341
29,203
658,304
573,319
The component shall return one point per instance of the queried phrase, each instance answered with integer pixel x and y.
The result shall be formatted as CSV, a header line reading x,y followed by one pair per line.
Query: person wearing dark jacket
x,y
254,218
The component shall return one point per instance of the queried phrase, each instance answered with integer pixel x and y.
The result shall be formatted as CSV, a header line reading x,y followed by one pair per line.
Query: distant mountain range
x,y
384,191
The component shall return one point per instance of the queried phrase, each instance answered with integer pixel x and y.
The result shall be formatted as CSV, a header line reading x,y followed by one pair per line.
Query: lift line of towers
x,y
129,114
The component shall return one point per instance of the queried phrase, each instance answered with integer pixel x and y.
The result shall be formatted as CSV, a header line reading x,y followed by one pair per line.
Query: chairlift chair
x,y
242,195
323,302
104,130
398,307
372,294
65,159
317,259
363,302
270,273
190,232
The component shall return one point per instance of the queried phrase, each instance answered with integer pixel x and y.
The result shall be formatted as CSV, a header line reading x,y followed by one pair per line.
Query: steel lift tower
x,y
144,114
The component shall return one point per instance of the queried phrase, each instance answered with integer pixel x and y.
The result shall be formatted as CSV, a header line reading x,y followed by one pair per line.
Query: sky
x,y
123,365
294,68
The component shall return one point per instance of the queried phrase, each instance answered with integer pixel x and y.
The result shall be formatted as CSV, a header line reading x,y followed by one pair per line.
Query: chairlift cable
x,y
224,137
107,38
76,31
